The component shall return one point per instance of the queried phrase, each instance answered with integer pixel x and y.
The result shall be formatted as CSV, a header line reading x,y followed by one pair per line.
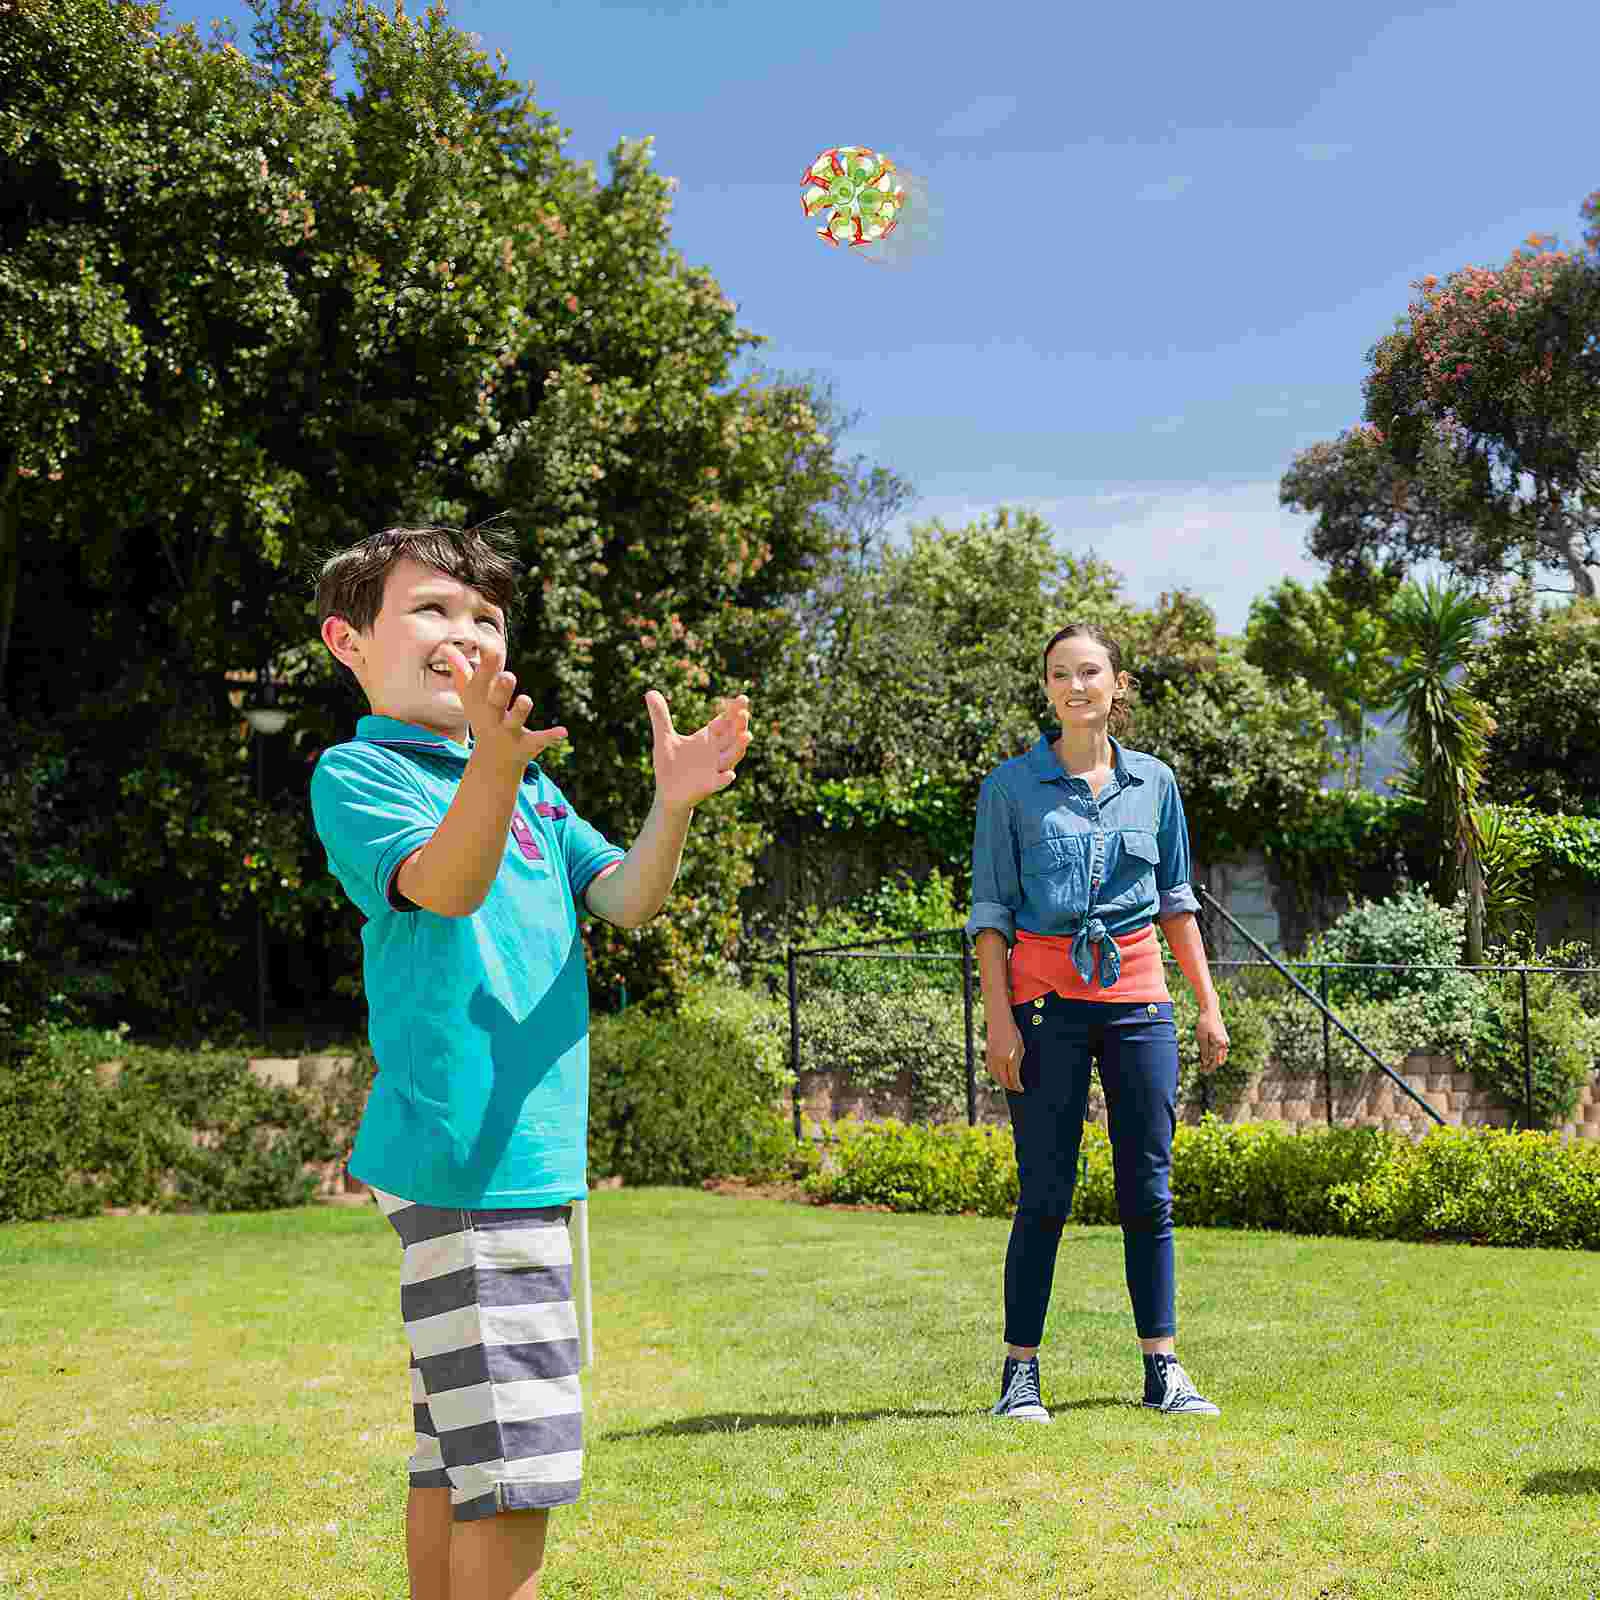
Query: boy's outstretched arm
x,y
451,874
689,769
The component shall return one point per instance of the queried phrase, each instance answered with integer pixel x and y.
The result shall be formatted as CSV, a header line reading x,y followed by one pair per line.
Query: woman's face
x,y
1079,683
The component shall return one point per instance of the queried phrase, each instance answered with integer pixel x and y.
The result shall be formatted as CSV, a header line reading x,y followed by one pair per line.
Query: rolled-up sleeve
x,y
996,881
1175,869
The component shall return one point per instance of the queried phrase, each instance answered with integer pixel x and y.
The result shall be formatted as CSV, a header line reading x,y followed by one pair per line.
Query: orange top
x,y
1042,963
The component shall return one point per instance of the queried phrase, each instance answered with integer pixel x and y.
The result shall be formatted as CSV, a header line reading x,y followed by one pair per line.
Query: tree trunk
x,y
10,574
1470,876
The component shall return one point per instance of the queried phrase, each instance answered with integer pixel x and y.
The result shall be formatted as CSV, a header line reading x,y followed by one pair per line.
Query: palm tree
x,y
1446,730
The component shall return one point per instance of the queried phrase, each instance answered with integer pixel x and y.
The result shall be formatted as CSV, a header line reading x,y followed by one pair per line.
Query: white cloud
x,y
1323,152
983,115
1166,189
1226,543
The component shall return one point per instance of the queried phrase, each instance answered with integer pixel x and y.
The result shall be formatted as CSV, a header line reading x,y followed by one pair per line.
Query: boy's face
x,y
400,662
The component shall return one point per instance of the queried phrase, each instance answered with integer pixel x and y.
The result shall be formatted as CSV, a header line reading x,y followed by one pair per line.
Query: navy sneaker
x,y
1019,1392
1168,1388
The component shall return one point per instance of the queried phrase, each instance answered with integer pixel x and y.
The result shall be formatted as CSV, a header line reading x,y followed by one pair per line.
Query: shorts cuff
x,y
516,1497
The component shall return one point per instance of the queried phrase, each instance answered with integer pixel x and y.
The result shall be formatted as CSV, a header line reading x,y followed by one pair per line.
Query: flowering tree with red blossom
x,y
1501,368
1481,445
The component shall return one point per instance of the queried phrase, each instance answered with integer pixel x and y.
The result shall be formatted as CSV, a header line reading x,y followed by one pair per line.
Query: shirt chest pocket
x,y
1142,847
1056,872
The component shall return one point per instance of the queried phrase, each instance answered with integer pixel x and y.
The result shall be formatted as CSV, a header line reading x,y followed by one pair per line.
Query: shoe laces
x,y
1179,1384
1024,1386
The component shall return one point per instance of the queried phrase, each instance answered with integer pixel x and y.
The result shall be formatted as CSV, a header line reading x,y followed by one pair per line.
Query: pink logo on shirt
x,y
545,809
526,843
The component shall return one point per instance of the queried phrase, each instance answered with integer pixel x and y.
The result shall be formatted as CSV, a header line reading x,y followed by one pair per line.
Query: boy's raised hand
x,y
496,718
693,767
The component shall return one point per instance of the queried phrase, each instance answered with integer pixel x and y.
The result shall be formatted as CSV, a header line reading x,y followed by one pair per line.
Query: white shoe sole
x,y
1030,1415
1151,1405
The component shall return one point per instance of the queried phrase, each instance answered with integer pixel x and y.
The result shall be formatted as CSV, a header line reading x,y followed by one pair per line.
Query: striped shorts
x,y
486,1297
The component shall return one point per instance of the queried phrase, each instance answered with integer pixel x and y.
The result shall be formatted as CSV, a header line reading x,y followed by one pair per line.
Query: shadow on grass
x,y
743,1421
1564,1480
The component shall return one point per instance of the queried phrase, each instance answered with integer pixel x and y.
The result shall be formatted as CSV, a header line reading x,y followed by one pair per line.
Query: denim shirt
x,y
1050,858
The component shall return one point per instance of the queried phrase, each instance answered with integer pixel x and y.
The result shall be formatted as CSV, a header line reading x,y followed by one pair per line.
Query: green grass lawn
x,y
790,1402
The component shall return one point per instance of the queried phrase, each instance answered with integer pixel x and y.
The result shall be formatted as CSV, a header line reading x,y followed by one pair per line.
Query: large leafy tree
x,y
1335,636
1481,445
246,319
1538,674
931,673
1249,753
1502,367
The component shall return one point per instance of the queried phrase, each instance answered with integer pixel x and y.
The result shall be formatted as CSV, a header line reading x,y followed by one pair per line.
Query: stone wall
x,y
1297,1102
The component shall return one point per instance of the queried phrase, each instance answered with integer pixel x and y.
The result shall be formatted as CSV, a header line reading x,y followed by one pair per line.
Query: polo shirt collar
x,y
408,736
1044,766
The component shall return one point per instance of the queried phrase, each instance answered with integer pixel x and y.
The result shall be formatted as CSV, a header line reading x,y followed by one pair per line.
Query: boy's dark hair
x,y
350,583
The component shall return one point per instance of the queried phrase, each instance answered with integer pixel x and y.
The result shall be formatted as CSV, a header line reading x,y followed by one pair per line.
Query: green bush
x,y
677,1097
48,1122
917,1167
1407,927
896,906
176,1128
873,1038
1562,1045
1247,1020
1479,1184
1260,1175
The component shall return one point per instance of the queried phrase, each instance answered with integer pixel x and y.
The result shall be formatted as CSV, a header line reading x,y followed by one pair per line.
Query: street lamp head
x,y
263,712
267,719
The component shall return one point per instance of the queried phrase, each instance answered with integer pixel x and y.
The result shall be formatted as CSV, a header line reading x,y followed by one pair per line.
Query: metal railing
x,y
874,950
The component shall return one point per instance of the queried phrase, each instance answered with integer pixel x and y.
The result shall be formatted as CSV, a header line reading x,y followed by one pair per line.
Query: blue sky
x,y
1169,232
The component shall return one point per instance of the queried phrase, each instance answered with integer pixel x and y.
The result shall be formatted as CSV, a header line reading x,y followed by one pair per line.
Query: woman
x,y
1080,845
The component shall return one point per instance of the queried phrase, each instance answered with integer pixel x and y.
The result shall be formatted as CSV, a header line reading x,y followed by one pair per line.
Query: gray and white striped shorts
x,y
486,1297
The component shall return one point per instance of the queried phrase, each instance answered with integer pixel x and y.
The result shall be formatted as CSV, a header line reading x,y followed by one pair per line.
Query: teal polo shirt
x,y
480,1024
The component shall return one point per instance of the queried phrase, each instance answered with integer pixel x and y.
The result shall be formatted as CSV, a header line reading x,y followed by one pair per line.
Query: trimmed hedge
x,y
680,1097
194,1129
1483,1185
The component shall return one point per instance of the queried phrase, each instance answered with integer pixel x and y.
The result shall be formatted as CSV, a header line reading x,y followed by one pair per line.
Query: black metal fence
x,y
964,955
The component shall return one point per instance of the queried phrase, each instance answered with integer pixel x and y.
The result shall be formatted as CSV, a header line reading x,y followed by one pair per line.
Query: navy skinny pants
x,y
1136,1046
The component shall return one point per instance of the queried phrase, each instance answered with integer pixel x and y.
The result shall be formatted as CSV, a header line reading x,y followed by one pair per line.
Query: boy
x,y
471,870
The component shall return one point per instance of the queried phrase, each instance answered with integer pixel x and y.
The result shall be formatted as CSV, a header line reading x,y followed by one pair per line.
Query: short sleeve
x,y
586,851
1175,869
371,814
996,876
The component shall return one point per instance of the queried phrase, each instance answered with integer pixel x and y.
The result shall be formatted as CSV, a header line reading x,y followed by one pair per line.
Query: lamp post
x,y
265,716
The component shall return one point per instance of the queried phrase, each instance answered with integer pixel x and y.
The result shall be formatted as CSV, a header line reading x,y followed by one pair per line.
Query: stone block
x,y
315,1070
1441,1082
1269,1087
281,1070
1296,1110
109,1071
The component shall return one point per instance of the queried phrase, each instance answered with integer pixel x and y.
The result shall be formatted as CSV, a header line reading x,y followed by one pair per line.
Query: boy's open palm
x,y
496,714
693,767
